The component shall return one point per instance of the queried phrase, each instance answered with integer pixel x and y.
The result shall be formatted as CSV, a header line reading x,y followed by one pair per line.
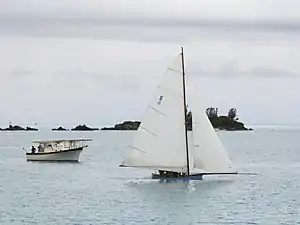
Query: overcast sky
x,y
97,62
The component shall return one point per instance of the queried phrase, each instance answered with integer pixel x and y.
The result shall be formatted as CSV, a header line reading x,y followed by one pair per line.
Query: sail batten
x,y
157,111
177,71
138,149
145,129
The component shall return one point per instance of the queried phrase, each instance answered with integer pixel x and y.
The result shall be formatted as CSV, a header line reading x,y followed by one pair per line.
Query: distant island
x,y
60,129
83,128
229,122
18,128
126,125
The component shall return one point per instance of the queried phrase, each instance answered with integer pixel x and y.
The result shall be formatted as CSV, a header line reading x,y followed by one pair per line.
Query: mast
x,y
185,113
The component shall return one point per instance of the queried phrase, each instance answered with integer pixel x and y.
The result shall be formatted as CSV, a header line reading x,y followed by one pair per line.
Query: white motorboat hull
x,y
70,155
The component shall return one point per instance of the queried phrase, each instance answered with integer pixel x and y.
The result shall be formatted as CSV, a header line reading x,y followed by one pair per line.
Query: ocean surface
x,y
97,191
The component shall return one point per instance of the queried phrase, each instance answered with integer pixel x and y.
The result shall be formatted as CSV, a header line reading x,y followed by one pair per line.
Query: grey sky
x,y
256,9
96,62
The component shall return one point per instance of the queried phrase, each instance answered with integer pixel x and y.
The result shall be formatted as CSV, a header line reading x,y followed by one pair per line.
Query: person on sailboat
x,y
161,173
168,174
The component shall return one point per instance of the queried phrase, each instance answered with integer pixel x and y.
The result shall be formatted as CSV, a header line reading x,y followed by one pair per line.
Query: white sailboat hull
x,y
190,177
195,176
70,155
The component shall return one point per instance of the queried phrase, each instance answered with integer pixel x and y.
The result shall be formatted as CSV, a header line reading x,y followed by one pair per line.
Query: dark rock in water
x,y
13,128
18,128
31,129
229,122
126,125
83,128
59,129
220,122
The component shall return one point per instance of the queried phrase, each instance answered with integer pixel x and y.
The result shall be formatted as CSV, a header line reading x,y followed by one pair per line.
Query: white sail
x,y
160,140
209,154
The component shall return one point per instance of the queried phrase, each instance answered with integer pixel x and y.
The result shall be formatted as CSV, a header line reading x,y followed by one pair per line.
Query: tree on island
x,y
232,113
212,112
228,122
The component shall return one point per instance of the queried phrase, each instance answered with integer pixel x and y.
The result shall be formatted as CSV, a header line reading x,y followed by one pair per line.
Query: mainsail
x,y
160,139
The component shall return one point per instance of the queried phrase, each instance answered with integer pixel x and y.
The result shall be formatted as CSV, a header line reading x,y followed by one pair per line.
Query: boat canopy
x,y
61,141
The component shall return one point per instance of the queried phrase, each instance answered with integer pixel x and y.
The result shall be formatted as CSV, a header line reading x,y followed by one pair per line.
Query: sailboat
x,y
162,142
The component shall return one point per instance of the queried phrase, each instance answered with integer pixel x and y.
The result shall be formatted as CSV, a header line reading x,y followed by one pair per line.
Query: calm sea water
x,y
97,191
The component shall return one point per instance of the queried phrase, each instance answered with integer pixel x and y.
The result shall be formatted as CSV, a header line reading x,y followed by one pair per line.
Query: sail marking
x,y
145,129
140,150
154,109
177,71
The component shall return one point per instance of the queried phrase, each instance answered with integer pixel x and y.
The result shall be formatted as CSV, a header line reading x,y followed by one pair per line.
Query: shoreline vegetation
x,y
60,128
18,128
83,128
229,123
77,128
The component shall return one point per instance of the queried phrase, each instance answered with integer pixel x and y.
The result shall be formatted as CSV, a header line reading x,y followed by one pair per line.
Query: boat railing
x,y
77,144
59,146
